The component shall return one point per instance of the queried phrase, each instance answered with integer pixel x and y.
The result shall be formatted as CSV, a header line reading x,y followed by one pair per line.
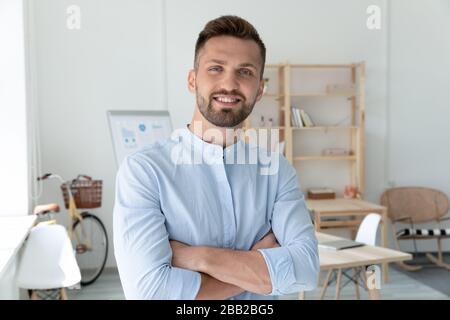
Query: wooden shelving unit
x,y
287,93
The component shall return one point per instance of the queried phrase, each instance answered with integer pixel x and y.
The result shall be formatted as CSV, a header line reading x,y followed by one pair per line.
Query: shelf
x,y
338,85
319,128
271,66
273,95
312,66
309,94
307,158
325,128
260,128
322,94
323,65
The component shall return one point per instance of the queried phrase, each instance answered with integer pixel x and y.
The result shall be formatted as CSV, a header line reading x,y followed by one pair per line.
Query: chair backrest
x,y
418,203
47,260
367,231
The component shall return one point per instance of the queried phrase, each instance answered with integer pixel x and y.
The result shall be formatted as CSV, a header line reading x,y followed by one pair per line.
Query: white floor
x,y
400,287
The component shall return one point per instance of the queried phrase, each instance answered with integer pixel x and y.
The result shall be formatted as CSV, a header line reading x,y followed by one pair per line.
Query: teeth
x,y
227,100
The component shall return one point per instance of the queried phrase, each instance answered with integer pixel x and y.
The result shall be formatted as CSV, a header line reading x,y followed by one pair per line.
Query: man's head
x,y
228,70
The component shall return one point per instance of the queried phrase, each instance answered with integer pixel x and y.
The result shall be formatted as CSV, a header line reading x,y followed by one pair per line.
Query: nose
x,y
230,82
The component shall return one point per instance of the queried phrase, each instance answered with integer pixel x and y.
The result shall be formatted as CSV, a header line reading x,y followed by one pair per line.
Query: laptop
x,y
340,244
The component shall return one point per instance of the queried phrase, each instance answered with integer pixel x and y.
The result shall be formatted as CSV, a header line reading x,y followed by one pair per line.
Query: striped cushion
x,y
423,232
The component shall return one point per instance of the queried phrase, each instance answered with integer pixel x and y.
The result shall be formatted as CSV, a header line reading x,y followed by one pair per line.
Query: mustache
x,y
230,93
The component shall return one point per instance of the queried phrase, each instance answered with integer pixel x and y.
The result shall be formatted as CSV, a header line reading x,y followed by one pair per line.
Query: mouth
x,y
227,101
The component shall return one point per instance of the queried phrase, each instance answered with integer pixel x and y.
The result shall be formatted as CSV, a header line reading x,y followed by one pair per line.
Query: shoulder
x,y
149,158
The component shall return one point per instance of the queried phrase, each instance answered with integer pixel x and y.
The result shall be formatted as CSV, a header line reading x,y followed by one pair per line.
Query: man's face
x,y
227,80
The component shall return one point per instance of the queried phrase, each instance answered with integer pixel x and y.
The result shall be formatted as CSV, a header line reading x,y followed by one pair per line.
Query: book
x,y
306,118
294,117
299,118
340,244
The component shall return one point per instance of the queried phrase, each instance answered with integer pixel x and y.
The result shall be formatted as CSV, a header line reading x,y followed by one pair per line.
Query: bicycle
x,y
86,231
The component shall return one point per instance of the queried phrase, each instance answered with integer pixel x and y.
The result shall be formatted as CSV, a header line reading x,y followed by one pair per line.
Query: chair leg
x,y
402,264
408,267
439,261
356,282
338,284
325,284
63,294
34,295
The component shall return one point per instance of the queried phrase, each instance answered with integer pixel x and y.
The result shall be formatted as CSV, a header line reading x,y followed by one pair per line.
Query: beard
x,y
224,117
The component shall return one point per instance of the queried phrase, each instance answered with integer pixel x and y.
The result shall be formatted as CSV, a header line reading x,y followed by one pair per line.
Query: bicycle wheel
x,y
90,241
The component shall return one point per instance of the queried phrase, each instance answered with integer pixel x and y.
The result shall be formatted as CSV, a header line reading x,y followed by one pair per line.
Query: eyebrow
x,y
222,62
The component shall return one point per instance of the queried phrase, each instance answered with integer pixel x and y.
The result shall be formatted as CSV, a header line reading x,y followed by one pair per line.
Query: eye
x,y
246,72
215,69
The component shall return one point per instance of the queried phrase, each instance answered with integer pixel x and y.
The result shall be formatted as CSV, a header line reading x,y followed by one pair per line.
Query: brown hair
x,y
230,26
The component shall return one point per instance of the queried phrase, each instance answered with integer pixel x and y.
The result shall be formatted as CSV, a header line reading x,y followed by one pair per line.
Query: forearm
x,y
213,289
244,269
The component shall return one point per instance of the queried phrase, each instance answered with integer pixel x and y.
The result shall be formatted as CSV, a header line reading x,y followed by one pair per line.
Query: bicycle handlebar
x,y
44,177
51,175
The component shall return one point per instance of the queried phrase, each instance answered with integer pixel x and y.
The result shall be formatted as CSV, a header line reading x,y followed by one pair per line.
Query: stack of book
x,y
300,118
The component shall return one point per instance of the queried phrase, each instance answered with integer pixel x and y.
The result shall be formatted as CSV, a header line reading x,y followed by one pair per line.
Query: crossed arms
x,y
226,272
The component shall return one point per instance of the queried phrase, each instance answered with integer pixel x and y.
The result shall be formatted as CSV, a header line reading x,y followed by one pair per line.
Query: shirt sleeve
x,y
294,266
141,240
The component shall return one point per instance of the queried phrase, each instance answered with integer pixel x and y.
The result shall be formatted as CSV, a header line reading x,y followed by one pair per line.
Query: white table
x,y
13,232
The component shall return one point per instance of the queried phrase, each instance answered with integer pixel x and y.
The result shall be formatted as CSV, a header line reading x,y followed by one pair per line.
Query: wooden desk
x,y
335,261
349,207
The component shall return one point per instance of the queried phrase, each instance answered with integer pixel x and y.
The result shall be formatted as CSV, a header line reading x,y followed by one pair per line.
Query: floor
x,y
402,286
435,277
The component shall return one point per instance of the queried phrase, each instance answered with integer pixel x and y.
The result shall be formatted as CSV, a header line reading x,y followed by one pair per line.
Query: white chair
x,y
367,234
367,231
48,262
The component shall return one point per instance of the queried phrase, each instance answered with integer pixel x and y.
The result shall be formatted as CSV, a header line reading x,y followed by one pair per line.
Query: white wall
x,y
13,121
127,51
419,104
117,60
112,62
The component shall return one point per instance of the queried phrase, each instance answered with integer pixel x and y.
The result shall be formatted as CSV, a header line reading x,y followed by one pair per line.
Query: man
x,y
214,229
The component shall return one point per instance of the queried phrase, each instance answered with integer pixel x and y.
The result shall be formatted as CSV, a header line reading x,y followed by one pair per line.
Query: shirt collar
x,y
209,151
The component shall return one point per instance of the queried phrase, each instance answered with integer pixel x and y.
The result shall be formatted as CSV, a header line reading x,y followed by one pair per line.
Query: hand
x,y
268,241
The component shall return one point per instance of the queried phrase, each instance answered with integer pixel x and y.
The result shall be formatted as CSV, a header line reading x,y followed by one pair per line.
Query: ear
x,y
191,80
260,90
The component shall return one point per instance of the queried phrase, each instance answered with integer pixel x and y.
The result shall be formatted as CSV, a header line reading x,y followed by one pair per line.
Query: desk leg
x,y
385,242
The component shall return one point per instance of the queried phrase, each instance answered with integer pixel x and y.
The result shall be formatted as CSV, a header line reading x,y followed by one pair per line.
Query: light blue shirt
x,y
163,192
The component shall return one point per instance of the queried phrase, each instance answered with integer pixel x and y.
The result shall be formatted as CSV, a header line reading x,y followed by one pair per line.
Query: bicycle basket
x,y
86,192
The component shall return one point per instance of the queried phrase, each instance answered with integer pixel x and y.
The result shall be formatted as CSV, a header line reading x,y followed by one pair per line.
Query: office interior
x,y
372,77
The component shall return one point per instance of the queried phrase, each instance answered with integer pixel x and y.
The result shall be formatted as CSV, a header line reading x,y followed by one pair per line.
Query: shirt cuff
x,y
281,269
183,284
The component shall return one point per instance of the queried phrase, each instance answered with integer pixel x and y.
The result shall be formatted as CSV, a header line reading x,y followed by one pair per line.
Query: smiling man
x,y
214,229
